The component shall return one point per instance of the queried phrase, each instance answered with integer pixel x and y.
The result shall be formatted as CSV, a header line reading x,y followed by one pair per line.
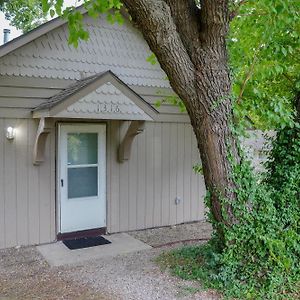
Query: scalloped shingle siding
x,y
106,102
120,49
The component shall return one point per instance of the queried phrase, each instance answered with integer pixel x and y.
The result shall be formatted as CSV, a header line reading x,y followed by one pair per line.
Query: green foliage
x,y
24,14
77,29
261,257
262,254
152,59
94,8
172,99
264,47
198,168
28,14
284,159
192,263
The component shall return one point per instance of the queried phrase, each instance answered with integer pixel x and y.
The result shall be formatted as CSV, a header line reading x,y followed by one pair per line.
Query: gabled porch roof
x,y
101,96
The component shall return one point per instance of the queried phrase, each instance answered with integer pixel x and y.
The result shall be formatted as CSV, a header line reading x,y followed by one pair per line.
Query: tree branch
x,y
155,21
213,15
186,16
248,76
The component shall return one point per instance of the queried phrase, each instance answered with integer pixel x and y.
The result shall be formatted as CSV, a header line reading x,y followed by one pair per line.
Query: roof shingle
x,y
70,90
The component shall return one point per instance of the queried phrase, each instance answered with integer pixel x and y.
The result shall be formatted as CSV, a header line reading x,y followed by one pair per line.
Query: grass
x,y
190,263
198,263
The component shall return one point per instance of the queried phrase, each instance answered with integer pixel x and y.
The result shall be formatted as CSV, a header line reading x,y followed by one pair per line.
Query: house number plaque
x,y
108,108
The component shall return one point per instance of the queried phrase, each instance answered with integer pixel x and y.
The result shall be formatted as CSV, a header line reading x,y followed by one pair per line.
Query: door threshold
x,y
81,234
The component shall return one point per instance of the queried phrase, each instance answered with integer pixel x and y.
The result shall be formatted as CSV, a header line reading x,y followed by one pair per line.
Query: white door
x,y
81,176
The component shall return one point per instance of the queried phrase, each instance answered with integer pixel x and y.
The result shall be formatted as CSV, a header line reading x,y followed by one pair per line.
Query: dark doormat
x,y
85,242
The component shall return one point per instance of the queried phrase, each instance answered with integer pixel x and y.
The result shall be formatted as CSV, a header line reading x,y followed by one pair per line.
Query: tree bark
x,y
189,43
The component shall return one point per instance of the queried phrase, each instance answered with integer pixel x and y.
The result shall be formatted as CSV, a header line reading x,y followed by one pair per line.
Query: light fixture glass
x,y
10,133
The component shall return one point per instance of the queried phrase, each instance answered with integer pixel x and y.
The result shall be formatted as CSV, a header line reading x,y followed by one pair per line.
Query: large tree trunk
x,y
190,46
213,86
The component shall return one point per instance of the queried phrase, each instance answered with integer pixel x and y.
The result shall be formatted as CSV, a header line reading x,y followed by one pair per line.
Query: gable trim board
x,y
150,151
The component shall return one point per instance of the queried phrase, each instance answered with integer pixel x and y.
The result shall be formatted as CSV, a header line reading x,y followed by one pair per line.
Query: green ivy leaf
x,y
52,13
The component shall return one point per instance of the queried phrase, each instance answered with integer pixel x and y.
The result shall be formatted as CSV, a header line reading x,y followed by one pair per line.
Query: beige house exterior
x,y
59,101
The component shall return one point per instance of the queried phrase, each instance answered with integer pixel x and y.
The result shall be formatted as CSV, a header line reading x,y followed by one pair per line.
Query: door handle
x,y
62,182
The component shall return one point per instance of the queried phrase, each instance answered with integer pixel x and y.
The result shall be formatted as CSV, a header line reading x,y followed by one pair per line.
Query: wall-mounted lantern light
x,y
10,133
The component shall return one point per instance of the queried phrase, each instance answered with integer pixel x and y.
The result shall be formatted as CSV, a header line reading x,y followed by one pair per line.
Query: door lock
x,y
62,182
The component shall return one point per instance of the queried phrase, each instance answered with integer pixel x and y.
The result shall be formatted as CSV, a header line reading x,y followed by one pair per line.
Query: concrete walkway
x,y
57,254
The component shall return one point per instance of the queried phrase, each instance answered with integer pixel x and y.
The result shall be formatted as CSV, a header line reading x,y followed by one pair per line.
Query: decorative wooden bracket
x,y
135,128
40,142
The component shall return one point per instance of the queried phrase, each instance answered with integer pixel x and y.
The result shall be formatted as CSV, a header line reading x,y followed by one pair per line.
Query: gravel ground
x,y
24,274
135,276
172,234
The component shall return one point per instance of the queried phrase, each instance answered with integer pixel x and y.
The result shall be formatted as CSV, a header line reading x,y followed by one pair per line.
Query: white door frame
x,y
58,168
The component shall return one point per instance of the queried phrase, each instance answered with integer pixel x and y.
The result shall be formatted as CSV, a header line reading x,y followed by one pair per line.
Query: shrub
x,y
261,257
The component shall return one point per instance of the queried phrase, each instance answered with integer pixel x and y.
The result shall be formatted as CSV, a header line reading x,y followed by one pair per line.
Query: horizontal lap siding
x,y
26,191
23,92
143,190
